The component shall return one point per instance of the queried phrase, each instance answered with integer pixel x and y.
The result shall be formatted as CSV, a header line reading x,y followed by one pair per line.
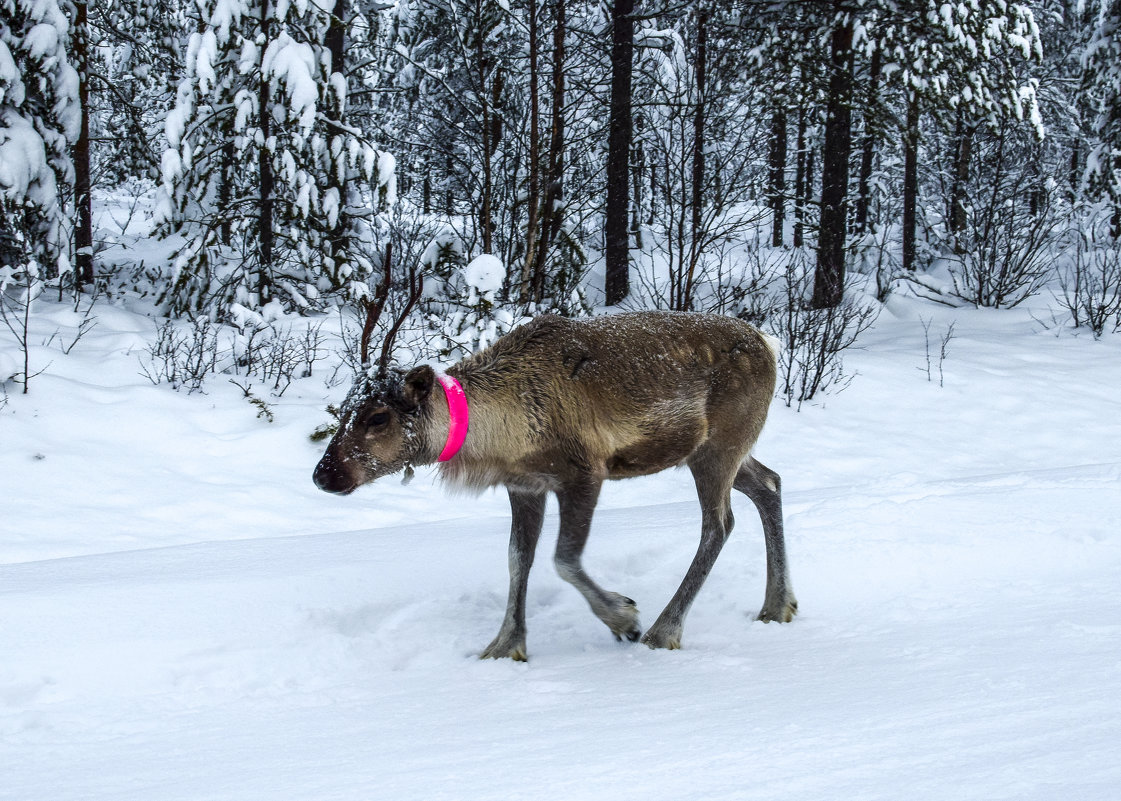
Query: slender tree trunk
x,y
868,148
910,182
696,231
336,47
225,192
1075,178
265,177
449,198
554,189
534,199
829,277
616,238
83,231
778,176
801,191
485,215
335,38
638,171
963,152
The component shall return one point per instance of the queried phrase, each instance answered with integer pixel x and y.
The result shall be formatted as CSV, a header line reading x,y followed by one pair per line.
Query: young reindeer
x,y
561,405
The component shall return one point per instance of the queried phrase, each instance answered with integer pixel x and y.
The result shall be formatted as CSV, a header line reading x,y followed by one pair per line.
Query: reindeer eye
x,y
378,419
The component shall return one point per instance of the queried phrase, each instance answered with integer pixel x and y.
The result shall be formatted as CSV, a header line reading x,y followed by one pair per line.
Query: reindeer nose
x,y
329,478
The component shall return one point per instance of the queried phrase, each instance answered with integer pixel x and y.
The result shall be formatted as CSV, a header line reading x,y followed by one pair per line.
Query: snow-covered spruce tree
x,y
39,119
263,177
1101,61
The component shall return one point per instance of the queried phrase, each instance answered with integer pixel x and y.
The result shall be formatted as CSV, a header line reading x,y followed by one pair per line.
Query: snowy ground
x,y
183,616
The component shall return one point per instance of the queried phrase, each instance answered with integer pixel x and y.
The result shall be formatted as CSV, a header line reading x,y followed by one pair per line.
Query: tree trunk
x,y
335,38
910,182
449,198
778,176
336,47
83,231
616,238
963,151
803,172
829,277
868,149
638,170
526,293
264,166
554,188
225,192
485,223
696,232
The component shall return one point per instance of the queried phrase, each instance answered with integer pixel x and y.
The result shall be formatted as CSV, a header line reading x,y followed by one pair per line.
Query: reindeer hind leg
x,y
764,487
712,472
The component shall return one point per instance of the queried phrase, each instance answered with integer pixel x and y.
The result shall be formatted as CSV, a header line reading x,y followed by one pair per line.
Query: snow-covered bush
x,y
468,316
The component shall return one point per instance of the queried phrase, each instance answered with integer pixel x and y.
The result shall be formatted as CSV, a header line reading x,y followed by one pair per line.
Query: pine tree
x,y
39,120
260,175
1102,63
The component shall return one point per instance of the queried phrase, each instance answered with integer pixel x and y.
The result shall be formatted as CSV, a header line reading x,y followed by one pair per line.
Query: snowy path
x,y
964,645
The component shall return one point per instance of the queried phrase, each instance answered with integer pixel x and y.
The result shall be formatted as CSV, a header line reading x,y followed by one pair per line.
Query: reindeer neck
x,y
497,435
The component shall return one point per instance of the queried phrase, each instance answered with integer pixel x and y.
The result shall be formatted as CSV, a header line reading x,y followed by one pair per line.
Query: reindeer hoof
x,y
622,618
501,648
663,637
782,612
629,636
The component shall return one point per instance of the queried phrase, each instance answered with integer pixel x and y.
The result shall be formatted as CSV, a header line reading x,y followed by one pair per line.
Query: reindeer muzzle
x,y
329,478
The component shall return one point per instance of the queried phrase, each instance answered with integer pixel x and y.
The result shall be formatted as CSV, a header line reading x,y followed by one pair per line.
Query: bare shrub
x,y
67,343
943,350
1005,250
183,357
813,341
1090,283
20,286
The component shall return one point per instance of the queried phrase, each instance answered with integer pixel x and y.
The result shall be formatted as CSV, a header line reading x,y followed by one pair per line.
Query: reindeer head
x,y
378,429
378,421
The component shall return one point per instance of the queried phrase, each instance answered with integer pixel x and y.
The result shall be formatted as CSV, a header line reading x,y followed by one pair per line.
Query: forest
x,y
750,158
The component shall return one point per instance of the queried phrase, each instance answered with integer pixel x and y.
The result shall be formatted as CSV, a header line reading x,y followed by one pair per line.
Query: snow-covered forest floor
x,y
184,616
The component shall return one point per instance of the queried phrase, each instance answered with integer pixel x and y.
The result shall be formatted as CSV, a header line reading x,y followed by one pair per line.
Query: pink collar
x,y
460,417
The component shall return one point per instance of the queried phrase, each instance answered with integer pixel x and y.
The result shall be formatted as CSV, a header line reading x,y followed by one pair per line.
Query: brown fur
x,y
559,406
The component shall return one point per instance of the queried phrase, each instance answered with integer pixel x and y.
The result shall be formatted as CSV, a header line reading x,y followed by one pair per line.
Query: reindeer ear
x,y
418,383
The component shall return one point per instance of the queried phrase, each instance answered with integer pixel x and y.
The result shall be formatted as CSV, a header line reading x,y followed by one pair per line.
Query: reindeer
x,y
559,406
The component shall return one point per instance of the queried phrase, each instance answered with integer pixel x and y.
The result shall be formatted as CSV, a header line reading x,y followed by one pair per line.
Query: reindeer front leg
x,y
618,612
527,512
